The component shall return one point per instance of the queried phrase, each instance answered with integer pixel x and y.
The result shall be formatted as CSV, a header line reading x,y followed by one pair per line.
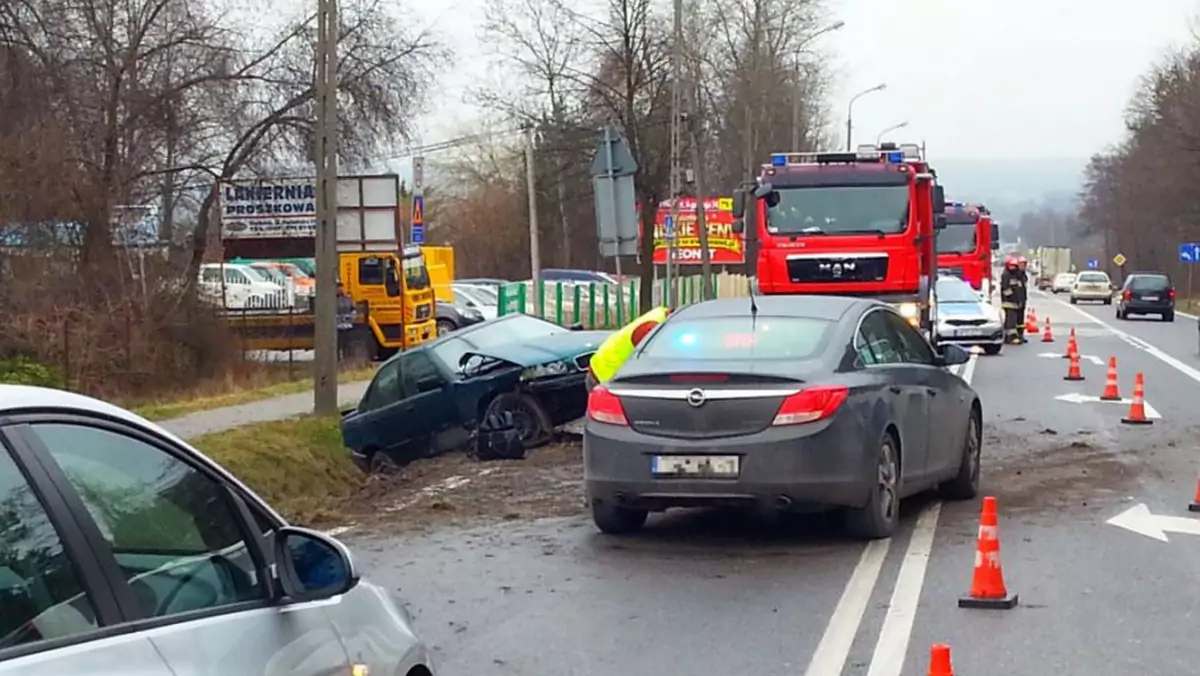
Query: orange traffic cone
x,y
1137,407
1195,506
1111,392
987,583
1072,346
1031,323
939,661
1047,337
1073,371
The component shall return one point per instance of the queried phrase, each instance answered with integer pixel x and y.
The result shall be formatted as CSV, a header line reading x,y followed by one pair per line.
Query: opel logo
x,y
696,397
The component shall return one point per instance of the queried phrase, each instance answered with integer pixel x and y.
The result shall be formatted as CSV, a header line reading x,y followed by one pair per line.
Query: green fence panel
x,y
577,305
606,308
558,303
620,313
592,305
521,298
540,303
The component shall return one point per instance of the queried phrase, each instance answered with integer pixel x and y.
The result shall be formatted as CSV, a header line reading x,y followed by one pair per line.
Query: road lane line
x,y
830,657
1138,343
894,637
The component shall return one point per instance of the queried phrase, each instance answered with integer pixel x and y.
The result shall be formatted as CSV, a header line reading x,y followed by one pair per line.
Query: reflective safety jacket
x,y
618,347
1012,289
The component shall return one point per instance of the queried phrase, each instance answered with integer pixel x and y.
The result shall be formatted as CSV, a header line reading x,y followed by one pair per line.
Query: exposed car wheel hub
x,y
887,482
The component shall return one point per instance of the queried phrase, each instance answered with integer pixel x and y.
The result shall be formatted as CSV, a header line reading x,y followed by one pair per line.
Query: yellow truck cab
x,y
397,292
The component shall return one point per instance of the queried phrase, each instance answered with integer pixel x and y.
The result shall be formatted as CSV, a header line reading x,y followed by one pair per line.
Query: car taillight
x,y
1127,295
1171,294
603,406
810,405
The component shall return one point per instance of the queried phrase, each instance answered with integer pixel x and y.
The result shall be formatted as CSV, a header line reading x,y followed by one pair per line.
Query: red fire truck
x,y
965,245
848,223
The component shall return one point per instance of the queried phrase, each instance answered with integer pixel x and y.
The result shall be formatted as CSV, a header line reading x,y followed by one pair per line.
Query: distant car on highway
x,y
431,398
965,319
803,402
1062,282
1092,285
125,550
1147,293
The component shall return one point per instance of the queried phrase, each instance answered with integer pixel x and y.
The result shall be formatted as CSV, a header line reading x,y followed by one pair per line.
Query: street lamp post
x,y
850,111
796,88
888,130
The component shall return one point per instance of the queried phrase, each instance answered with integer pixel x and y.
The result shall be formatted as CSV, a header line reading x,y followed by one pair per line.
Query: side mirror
x,y
939,221
739,226
311,565
952,355
767,193
577,326
939,199
429,384
739,203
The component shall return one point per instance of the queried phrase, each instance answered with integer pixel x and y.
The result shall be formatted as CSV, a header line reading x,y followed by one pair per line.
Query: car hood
x,y
965,311
556,347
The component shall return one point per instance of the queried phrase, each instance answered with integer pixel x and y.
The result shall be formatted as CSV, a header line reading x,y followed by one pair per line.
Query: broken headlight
x,y
554,368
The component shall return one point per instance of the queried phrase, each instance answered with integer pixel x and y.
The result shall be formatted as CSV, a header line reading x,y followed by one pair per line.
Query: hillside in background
x,y
1012,187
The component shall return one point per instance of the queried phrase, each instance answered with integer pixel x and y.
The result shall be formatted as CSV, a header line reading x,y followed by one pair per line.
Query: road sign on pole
x,y
1093,264
418,219
1119,259
612,173
1189,253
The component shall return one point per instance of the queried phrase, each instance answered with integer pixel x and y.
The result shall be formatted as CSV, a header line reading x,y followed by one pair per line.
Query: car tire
x,y
1108,301
878,518
530,418
1074,300
445,326
965,484
992,350
616,520
1168,317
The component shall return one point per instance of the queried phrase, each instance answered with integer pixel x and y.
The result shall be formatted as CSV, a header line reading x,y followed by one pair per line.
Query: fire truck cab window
x,y
840,209
956,238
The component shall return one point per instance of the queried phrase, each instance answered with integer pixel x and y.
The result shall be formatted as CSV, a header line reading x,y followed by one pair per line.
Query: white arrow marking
x,y
1138,519
1076,398
1090,357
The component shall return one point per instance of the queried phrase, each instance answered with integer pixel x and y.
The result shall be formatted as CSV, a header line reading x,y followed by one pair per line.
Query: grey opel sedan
x,y
124,551
795,402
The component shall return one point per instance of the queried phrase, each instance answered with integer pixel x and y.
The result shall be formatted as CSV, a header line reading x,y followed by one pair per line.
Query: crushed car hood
x,y
965,311
559,346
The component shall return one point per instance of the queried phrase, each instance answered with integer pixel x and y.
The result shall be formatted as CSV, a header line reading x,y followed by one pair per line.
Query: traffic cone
x,y
987,583
1072,346
1031,323
1111,393
1137,407
1195,506
1073,371
939,661
1047,337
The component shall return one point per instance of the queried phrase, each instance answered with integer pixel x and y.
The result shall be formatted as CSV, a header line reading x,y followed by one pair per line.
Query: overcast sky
x,y
974,78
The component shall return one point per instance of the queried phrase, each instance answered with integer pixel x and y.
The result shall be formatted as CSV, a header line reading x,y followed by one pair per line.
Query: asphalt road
x,y
708,593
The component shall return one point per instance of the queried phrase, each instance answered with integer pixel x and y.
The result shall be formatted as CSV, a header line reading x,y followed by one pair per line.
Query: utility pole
x,y
695,119
535,256
676,151
325,386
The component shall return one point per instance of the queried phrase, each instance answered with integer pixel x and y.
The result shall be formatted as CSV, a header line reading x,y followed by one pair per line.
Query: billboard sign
x,y
262,208
725,247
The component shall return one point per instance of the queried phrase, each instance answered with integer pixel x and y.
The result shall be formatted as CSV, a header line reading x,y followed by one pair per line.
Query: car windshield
x,y
834,210
519,329
956,238
270,273
1093,278
480,294
416,275
1149,283
292,271
955,291
740,337
256,274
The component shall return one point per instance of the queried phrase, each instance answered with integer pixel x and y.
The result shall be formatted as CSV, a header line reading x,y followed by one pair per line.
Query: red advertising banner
x,y
724,246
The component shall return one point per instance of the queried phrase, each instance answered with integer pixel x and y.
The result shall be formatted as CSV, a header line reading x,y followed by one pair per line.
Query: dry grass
x,y
299,466
231,391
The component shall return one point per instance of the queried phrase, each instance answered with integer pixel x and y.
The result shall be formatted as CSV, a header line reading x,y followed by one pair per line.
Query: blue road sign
x,y
669,226
1189,253
1093,264
418,234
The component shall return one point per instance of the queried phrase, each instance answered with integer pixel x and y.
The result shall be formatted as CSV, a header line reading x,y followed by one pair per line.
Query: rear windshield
x,y
712,338
1149,283
1093,278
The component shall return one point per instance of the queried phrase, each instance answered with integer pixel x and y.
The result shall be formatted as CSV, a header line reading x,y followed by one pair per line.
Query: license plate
x,y
1149,297
723,466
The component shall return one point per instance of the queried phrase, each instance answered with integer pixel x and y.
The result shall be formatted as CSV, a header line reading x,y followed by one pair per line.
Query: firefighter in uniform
x,y
1023,269
618,347
1012,299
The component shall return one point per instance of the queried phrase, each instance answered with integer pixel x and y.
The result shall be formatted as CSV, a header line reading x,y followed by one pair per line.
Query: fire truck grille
x,y
855,268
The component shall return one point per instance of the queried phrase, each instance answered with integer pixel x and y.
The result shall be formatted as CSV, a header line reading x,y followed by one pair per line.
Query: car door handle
x,y
932,391
896,389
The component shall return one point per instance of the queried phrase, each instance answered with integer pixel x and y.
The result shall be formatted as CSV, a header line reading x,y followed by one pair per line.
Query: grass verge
x,y
297,465
165,410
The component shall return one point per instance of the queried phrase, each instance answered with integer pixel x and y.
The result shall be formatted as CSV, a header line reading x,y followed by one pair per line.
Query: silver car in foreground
x,y
964,318
124,551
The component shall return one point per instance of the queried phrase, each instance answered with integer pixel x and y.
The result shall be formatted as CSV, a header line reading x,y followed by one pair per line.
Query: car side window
x,y
417,365
916,348
879,343
385,389
40,590
176,538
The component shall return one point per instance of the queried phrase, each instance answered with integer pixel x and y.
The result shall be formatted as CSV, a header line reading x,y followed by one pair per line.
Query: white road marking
x,y
1090,357
433,490
1140,520
1139,344
1076,398
894,637
830,656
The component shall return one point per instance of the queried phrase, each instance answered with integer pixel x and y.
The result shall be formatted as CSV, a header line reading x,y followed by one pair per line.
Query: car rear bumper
x,y
1091,295
805,466
1148,307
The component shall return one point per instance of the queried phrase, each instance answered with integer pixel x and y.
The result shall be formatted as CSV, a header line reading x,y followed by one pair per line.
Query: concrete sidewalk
x,y
265,410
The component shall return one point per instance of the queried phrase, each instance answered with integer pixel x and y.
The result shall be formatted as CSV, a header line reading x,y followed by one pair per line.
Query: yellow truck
x,y
390,285
440,261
